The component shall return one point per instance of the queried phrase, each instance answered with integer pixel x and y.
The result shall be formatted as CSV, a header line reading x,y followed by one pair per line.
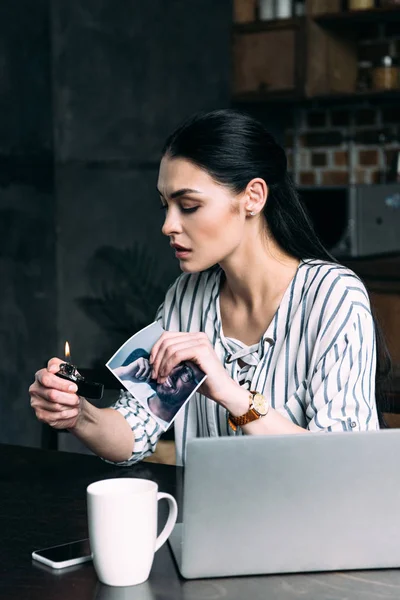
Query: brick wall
x,y
346,145
357,142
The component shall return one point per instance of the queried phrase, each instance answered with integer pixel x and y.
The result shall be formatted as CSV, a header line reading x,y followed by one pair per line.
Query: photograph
x,y
130,364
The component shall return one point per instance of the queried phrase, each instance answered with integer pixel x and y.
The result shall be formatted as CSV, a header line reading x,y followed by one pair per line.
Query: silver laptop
x,y
294,503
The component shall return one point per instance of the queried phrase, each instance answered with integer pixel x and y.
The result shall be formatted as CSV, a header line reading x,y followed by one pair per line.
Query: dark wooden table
x,y
43,503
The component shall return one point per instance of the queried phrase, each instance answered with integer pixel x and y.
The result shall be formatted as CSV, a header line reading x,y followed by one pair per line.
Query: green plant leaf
x,y
128,287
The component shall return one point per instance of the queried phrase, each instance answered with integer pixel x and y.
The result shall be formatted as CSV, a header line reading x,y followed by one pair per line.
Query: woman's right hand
x,y
53,399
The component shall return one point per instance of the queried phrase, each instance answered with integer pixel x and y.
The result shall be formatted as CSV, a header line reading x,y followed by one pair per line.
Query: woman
x,y
284,334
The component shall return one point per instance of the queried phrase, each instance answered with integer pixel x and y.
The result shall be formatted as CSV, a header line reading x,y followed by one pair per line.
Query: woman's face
x,y
204,220
178,385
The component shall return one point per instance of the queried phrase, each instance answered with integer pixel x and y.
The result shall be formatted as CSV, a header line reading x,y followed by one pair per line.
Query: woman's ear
x,y
256,196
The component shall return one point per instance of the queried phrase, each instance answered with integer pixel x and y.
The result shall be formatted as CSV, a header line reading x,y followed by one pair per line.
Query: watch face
x,y
260,404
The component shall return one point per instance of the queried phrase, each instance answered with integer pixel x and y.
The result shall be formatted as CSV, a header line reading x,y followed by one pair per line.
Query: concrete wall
x,y
89,91
125,74
28,296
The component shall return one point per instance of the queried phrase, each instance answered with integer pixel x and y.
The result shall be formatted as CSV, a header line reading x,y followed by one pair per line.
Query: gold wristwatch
x,y
259,407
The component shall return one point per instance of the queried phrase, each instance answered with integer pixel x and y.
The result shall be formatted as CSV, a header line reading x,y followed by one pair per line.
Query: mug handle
x,y
170,524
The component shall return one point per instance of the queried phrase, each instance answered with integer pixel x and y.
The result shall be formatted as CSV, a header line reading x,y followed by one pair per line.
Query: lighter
x,y
87,389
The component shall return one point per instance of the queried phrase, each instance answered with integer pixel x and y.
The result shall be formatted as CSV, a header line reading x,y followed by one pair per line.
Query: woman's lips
x,y
180,251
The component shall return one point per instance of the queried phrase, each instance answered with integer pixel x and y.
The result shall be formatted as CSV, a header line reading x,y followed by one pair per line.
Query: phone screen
x,y
66,551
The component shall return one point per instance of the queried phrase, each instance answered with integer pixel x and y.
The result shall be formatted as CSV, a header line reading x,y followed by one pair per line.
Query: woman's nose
x,y
172,223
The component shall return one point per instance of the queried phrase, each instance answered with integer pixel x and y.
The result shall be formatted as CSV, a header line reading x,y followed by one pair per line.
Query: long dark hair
x,y
235,148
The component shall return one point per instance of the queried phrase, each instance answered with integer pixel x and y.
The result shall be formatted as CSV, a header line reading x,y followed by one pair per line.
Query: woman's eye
x,y
189,210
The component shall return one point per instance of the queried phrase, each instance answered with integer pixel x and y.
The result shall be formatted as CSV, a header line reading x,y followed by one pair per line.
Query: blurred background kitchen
x,y
90,89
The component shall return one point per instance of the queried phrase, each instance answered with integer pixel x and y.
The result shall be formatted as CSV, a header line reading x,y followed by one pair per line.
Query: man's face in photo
x,y
178,385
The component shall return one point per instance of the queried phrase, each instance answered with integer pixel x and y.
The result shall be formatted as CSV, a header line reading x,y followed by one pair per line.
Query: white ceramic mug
x,y
122,520
137,592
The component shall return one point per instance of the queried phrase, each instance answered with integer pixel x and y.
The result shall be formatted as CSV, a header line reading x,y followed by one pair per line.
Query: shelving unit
x,y
350,18
318,54
321,45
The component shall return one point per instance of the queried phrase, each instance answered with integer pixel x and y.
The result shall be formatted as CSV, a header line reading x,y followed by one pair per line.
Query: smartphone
x,y
64,555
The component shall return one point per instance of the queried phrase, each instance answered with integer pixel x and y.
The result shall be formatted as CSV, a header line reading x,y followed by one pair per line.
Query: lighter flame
x,y
67,352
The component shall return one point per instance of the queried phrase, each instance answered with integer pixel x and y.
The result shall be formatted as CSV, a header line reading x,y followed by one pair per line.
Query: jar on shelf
x,y
283,9
299,8
361,4
364,76
266,10
275,9
386,74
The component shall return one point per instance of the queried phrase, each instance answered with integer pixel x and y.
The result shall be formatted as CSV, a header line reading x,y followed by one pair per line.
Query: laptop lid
x,y
293,503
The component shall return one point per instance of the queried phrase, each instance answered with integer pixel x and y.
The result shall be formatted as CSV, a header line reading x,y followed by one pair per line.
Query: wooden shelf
x,y
369,97
322,49
340,19
350,18
271,97
272,25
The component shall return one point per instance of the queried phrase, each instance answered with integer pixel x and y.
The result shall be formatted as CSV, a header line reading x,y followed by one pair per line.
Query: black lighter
x,y
87,389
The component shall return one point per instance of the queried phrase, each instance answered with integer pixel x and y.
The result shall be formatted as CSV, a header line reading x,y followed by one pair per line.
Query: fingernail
x,y
53,368
72,388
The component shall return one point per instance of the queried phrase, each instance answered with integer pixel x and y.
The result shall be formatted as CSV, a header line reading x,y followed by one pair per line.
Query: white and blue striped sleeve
x,y
341,390
146,430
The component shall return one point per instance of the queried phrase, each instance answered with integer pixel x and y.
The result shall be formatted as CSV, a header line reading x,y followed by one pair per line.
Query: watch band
x,y
252,414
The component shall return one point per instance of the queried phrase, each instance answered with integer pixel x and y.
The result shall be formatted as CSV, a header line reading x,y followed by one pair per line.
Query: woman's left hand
x,y
174,347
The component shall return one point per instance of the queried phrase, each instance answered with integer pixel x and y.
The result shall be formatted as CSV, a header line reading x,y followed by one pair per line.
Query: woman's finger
x,y
49,380
197,338
53,396
159,357
47,405
166,338
175,354
53,364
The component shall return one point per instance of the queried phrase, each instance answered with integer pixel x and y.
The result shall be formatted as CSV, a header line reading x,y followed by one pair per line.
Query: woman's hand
x,y
139,369
53,399
174,347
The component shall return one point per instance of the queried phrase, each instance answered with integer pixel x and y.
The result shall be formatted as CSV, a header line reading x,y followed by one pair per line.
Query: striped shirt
x,y
315,363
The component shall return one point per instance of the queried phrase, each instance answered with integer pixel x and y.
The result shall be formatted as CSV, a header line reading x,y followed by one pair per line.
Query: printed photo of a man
x,y
163,400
